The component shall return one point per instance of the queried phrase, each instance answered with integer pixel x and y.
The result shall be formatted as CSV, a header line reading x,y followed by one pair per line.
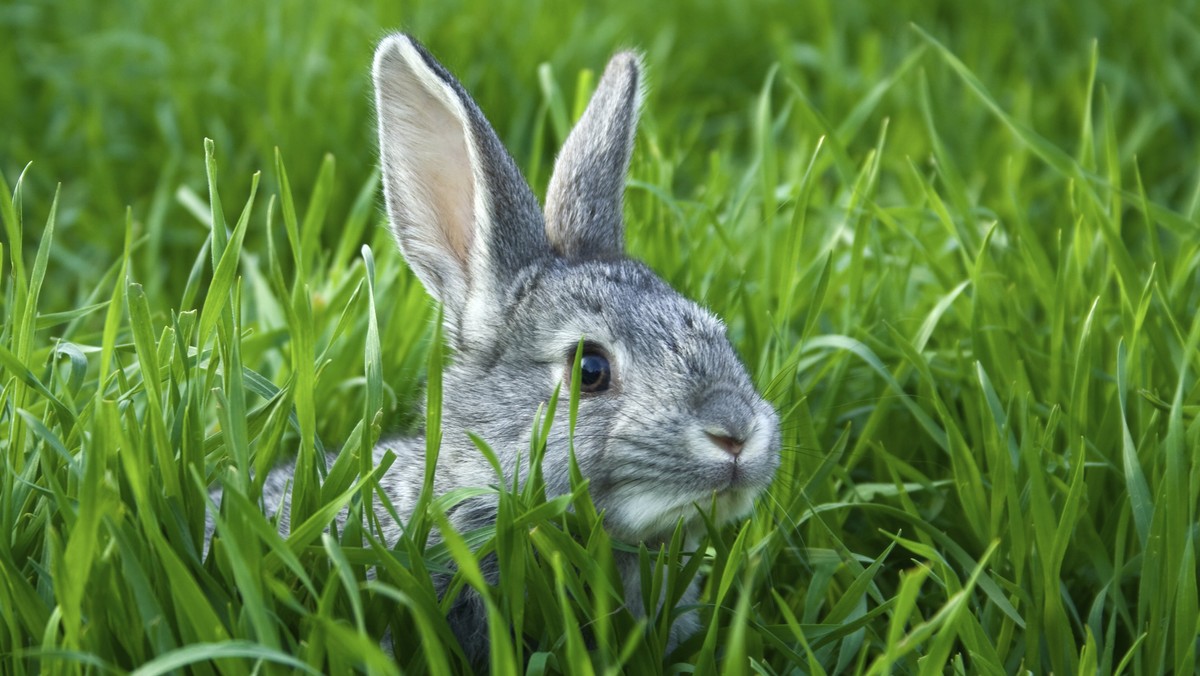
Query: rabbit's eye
x,y
595,373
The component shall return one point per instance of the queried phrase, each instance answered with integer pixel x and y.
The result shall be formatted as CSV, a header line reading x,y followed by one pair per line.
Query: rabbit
x,y
668,416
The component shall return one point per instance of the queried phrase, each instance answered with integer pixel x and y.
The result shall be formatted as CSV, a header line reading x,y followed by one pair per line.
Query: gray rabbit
x,y
668,417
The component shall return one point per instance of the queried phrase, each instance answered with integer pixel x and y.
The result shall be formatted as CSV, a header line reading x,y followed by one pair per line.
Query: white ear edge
x,y
442,90
428,151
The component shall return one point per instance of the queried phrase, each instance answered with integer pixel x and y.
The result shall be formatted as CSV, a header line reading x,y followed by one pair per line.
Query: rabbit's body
x,y
668,417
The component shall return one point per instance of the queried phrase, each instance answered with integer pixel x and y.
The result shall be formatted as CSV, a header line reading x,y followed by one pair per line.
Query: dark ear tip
x,y
627,63
625,73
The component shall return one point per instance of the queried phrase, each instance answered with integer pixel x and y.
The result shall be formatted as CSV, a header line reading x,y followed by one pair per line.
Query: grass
x,y
957,245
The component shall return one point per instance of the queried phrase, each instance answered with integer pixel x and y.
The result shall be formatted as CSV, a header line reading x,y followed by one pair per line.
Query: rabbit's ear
x,y
584,203
464,216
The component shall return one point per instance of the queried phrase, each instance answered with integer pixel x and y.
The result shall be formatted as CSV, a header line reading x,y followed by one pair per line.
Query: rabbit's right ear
x,y
464,217
584,218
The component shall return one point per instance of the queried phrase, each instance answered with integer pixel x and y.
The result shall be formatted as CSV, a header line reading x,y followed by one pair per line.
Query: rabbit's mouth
x,y
740,478
706,471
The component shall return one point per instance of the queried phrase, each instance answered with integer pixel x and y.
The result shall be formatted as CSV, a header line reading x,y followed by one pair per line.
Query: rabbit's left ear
x,y
584,218
463,215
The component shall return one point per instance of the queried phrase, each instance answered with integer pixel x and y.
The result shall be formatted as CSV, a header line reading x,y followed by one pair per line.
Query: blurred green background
x,y
112,99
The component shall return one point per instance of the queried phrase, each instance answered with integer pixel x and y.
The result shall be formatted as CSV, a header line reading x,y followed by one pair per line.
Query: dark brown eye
x,y
595,373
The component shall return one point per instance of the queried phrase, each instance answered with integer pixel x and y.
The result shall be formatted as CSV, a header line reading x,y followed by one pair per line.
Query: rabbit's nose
x,y
731,445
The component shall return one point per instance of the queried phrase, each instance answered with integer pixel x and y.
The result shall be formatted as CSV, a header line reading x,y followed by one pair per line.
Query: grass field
x,y
958,245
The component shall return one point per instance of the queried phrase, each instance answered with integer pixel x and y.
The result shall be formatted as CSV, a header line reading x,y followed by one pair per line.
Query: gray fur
x,y
517,308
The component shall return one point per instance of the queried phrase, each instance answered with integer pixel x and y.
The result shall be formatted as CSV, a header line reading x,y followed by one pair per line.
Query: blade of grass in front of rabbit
x,y
419,525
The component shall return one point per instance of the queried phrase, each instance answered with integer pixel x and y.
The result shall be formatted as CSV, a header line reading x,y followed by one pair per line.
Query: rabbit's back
x,y
401,484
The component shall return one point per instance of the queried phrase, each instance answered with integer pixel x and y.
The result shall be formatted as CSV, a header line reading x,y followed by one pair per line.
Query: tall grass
x,y
957,245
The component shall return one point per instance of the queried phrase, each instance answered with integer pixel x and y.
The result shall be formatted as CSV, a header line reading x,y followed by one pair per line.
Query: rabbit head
x,y
668,417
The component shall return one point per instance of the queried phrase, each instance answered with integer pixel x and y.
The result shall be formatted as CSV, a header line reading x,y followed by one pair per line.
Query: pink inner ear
x,y
452,188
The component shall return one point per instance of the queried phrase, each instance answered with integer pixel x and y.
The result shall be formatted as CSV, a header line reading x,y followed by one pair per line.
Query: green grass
x,y
957,244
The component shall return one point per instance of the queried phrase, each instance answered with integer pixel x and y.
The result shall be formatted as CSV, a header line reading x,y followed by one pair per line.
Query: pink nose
x,y
727,443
